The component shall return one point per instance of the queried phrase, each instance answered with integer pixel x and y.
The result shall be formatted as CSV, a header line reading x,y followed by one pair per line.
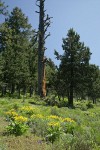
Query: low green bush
x,y
17,123
89,105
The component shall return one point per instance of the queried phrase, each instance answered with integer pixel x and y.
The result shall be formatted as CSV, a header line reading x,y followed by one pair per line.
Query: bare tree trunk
x,y
71,96
31,91
44,80
41,47
18,88
71,84
3,90
12,88
44,23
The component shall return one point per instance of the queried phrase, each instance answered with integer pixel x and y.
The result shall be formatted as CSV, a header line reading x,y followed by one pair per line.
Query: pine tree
x,y
73,64
16,49
3,8
93,86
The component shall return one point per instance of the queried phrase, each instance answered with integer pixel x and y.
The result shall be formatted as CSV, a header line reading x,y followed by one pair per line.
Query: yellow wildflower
x,y
20,119
37,116
68,120
27,108
53,117
54,124
11,113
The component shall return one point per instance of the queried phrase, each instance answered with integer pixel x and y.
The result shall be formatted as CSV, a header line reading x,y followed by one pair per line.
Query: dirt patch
x,y
25,143
10,142
3,124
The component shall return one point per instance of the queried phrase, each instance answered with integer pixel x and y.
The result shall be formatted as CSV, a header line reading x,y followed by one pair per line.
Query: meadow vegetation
x,y
35,125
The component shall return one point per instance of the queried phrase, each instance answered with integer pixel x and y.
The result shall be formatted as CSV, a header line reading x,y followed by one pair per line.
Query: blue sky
x,y
82,15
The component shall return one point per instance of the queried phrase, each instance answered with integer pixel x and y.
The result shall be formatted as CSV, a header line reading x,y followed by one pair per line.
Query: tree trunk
x,y
44,23
71,83
31,91
24,90
70,102
12,88
94,100
59,98
3,90
18,88
43,80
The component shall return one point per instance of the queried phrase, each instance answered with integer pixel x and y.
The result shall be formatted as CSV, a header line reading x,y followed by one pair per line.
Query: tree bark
x,y
12,88
31,91
94,100
41,48
18,88
3,90
71,83
70,103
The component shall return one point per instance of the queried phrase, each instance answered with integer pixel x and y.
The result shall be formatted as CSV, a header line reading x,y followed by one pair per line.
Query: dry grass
x,y
25,142
3,124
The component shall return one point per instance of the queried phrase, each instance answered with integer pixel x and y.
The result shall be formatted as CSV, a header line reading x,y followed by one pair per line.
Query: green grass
x,y
85,136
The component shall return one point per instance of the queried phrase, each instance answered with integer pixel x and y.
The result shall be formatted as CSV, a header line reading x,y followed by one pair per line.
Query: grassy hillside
x,y
33,125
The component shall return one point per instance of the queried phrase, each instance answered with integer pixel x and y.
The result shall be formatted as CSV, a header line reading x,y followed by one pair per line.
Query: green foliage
x,y
78,129
17,124
89,105
51,100
3,8
55,111
71,75
94,82
28,110
18,53
69,127
38,125
50,74
2,147
53,132
16,128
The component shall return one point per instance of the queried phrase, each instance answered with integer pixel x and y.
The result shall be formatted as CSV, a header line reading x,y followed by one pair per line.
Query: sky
x,y
81,15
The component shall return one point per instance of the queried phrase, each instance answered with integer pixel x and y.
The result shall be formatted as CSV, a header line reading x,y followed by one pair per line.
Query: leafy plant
x,y
68,125
38,124
89,105
53,131
16,128
17,124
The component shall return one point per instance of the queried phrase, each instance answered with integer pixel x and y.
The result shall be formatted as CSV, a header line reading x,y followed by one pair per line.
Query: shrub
x,y
89,105
82,144
15,106
17,124
53,131
28,110
11,114
51,100
38,124
83,107
54,110
2,146
16,128
68,125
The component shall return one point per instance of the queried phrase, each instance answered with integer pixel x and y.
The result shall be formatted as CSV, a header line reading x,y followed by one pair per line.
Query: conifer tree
x,y
16,46
74,63
3,8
